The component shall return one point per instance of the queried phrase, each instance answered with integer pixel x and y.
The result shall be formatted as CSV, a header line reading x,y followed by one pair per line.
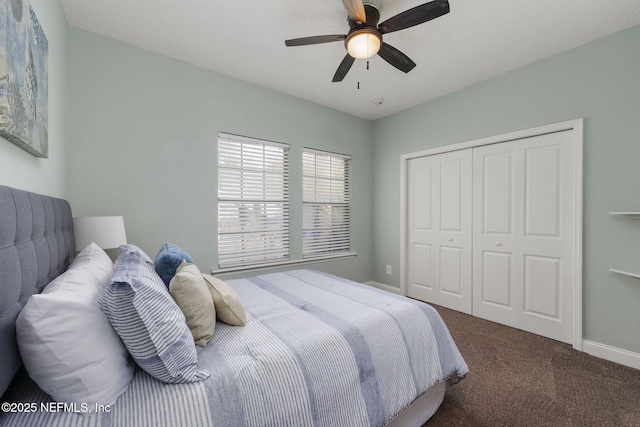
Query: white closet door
x,y
547,235
422,229
496,264
522,249
439,218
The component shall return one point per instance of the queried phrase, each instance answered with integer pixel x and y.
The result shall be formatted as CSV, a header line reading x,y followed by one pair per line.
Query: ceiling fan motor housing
x,y
373,16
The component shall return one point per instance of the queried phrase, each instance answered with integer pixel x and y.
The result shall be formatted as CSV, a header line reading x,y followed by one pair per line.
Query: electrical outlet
x,y
389,270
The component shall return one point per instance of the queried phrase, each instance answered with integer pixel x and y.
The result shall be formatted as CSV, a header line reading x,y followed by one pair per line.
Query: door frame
x,y
576,128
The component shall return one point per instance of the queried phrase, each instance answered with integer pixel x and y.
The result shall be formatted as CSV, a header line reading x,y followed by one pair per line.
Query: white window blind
x,y
325,203
253,201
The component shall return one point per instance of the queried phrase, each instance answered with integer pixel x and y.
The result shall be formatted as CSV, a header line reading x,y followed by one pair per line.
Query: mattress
x,y
317,350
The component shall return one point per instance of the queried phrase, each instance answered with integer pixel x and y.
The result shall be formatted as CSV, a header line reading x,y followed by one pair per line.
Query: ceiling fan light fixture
x,y
363,43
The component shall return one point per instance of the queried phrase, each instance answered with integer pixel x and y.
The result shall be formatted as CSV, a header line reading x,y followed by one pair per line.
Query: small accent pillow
x,y
67,344
191,293
229,308
151,325
168,259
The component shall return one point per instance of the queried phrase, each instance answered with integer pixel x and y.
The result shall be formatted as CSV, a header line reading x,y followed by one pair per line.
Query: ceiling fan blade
x,y
355,9
415,16
343,68
303,41
396,58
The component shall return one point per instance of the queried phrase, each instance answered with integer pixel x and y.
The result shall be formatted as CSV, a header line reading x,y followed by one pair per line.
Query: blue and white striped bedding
x,y
317,350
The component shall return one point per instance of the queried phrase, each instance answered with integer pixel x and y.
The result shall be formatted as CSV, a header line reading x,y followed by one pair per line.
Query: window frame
x,y
247,235
324,204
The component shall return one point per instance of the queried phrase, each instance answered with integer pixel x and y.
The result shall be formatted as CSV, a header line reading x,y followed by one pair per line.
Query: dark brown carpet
x,y
521,379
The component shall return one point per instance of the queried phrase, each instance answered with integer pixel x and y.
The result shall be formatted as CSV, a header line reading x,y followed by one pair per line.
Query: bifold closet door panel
x,y
440,219
547,236
455,230
422,229
496,264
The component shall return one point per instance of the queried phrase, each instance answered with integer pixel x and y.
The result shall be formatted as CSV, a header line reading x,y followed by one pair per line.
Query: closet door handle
x,y
450,239
498,244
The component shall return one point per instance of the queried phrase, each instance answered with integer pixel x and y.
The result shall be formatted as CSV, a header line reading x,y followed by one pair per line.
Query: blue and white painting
x,y
24,99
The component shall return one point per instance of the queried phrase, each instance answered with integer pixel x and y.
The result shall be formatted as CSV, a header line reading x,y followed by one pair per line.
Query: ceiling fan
x,y
364,39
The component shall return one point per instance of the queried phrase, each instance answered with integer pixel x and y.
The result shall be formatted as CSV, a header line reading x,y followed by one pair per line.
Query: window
x,y
253,201
325,203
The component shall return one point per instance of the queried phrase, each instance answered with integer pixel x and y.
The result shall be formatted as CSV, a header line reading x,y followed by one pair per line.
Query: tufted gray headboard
x,y
36,245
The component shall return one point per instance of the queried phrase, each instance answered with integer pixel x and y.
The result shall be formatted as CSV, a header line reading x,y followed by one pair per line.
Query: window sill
x,y
289,263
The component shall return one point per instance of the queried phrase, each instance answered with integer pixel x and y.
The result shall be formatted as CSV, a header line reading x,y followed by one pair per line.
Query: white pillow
x,y
67,343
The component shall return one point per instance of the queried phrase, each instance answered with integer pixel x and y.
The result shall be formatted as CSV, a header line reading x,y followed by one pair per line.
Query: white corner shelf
x,y
635,274
629,215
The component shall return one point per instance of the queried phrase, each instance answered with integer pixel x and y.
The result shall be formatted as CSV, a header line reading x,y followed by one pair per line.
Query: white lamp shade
x,y
105,231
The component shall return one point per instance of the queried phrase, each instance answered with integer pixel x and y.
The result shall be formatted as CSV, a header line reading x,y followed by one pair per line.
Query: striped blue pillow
x,y
148,320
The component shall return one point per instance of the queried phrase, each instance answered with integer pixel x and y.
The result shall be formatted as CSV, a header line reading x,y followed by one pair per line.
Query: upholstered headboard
x,y
36,245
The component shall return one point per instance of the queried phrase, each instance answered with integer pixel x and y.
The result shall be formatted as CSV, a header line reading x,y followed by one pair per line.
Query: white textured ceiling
x,y
477,40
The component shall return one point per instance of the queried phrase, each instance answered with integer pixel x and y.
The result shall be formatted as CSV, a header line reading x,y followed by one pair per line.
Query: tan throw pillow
x,y
229,308
192,295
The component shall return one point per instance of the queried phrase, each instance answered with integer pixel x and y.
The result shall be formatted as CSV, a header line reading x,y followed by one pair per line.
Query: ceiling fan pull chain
x,y
367,64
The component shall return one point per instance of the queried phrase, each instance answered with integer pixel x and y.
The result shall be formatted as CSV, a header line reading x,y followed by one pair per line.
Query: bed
x,y
316,349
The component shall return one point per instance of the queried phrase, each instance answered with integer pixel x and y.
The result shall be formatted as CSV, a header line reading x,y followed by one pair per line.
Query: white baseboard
x,y
612,354
603,351
384,287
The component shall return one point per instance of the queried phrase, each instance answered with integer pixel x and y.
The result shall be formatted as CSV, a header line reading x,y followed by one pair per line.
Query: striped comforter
x,y
317,350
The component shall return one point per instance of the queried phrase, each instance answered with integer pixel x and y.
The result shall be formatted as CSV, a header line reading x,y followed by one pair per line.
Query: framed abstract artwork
x,y
24,52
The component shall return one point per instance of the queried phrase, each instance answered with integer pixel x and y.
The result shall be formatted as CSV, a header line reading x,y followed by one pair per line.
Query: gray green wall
x,y
17,167
138,138
143,144
599,81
